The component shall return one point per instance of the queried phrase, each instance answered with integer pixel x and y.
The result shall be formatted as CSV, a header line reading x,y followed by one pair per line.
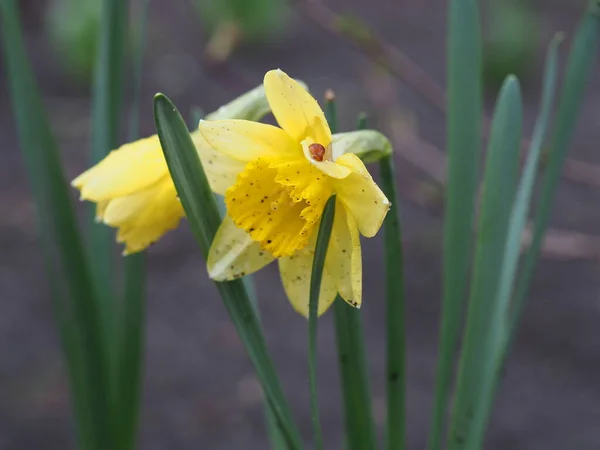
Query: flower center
x,y
317,151
278,203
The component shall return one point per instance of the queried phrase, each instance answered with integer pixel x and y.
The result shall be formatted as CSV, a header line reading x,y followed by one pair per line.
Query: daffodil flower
x,y
134,191
275,203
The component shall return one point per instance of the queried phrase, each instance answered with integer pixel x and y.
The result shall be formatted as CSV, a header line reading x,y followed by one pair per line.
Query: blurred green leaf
x,y
131,314
63,251
465,109
203,214
107,106
479,344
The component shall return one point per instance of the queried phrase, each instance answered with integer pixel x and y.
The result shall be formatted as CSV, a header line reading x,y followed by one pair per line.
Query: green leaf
x,y
358,417
106,117
313,305
499,331
203,214
131,317
395,324
580,64
69,274
464,134
466,431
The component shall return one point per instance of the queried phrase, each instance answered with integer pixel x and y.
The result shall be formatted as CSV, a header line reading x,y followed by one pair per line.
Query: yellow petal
x,y
221,170
344,258
145,216
296,111
136,207
131,168
295,274
329,168
234,254
361,196
245,141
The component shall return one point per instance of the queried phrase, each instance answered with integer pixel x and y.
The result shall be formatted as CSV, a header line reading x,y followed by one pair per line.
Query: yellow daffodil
x,y
133,188
275,202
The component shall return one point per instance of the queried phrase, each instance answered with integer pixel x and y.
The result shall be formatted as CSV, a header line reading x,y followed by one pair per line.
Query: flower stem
x,y
315,288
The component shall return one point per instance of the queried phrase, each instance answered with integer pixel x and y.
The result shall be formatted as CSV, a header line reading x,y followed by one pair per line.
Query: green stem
x,y
395,322
313,306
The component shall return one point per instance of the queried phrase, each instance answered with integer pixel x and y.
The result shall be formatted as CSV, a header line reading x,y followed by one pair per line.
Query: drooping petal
x,y
329,168
245,141
344,258
361,195
145,216
234,254
369,145
295,274
130,168
296,111
221,170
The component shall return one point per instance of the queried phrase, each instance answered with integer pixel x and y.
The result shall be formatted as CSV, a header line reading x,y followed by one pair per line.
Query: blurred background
x,y
382,57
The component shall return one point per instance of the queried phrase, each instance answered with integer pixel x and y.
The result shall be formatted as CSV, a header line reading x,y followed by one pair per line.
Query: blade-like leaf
x,y
203,214
395,325
358,417
464,131
498,329
131,317
106,117
582,56
63,252
498,196
315,288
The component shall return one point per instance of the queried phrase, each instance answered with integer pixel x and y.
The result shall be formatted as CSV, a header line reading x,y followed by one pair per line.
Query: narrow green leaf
x,y
464,132
395,324
106,117
131,317
70,278
498,328
203,214
580,64
358,418
499,186
313,305
276,439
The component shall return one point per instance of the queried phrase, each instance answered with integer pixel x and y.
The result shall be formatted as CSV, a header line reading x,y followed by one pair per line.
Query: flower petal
x,y
295,274
244,140
130,168
361,196
329,168
221,170
234,254
344,258
369,145
296,111
145,216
